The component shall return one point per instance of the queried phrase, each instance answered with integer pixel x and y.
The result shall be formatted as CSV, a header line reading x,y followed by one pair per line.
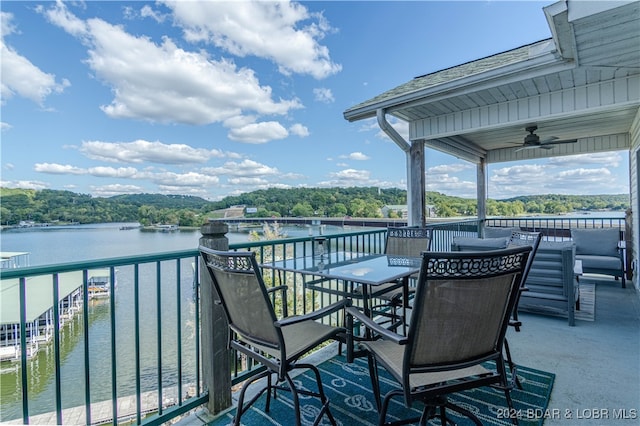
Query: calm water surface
x,y
52,245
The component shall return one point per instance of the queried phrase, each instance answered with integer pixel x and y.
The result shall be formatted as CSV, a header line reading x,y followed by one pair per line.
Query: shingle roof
x,y
450,74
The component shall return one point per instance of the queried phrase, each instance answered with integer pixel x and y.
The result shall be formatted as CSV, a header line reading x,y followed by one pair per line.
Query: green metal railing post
x,y
23,350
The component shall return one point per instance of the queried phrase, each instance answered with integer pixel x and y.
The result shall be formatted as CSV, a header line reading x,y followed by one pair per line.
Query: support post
x,y
416,191
216,368
481,195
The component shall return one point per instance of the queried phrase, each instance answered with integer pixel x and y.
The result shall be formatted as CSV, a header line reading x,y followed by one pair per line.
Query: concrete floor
x,y
597,363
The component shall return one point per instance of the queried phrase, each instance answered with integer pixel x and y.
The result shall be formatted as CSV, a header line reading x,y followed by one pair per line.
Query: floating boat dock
x,y
39,304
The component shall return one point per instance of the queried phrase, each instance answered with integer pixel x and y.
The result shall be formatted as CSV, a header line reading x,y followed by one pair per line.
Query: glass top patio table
x,y
353,271
361,268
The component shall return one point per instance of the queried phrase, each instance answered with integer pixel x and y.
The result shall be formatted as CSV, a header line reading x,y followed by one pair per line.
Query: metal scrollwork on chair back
x,y
409,233
239,263
473,266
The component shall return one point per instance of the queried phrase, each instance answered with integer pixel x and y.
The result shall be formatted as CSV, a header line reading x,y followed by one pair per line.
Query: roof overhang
x,y
583,83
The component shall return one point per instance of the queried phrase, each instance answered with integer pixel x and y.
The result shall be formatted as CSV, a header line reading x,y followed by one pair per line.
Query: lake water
x,y
62,244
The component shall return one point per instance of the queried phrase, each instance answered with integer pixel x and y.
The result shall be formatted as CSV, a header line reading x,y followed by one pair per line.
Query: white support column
x,y
481,187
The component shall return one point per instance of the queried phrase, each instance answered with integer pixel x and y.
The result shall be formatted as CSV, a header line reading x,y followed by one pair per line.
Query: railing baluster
x,y
197,321
85,331
23,350
136,321
112,318
159,332
179,329
56,346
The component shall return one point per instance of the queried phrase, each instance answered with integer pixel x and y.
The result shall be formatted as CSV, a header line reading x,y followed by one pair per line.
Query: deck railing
x,y
155,374
160,294
160,376
559,228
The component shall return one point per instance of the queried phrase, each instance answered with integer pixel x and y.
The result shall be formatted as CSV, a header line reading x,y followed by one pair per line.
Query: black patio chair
x,y
255,331
461,311
403,241
518,239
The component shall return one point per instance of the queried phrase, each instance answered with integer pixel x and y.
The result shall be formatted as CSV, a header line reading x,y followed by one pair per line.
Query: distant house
x,y
403,210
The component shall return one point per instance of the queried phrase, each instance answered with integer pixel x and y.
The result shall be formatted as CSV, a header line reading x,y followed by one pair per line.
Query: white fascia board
x,y
579,9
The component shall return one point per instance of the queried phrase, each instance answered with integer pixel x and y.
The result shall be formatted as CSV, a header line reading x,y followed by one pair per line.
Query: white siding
x,y
602,95
635,195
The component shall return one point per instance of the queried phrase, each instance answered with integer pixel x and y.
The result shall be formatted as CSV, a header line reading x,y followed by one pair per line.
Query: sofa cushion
x,y
495,231
599,262
596,242
479,244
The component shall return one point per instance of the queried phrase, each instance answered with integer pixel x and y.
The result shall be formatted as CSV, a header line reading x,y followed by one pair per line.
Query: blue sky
x,y
218,98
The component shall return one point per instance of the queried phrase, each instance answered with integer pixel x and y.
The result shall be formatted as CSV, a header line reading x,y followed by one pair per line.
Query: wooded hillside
x,y
52,206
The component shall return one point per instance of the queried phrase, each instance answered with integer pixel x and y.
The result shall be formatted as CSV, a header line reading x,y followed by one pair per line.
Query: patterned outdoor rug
x,y
348,387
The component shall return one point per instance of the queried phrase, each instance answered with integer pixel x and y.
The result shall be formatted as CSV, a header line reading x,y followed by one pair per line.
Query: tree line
x,y
54,206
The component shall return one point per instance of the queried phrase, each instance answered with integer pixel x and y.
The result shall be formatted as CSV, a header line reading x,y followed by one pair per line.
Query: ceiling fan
x,y
532,141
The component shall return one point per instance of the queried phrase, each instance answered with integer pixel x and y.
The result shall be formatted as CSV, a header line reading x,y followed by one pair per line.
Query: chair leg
x,y
321,395
385,406
296,400
269,387
241,407
462,411
375,384
512,366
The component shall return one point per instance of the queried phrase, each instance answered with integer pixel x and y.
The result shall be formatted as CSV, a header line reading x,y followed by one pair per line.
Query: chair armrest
x,y
383,332
283,294
334,307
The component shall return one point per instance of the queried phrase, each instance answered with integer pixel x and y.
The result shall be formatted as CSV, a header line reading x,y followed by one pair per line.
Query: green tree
x,y
302,209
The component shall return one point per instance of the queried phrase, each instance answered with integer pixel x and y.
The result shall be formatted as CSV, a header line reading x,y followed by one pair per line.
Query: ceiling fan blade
x,y
557,142
549,139
530,147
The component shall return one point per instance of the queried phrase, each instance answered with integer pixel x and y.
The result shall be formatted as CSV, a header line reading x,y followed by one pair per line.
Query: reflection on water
x,y
41,374
90,242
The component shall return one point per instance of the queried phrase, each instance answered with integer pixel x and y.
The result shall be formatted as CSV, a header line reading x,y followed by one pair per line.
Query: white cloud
x,y
141,151
322,94
115,189
59,169
259,132
358,156
605,159
529,179
448,168
190,179
282,32
24,184
444,183
299,130
352,175
245,168
60,16
19,76
167,84
112,172
252,181
148,12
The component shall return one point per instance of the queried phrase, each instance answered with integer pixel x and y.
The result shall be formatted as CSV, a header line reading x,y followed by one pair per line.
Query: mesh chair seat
x,y
299,337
